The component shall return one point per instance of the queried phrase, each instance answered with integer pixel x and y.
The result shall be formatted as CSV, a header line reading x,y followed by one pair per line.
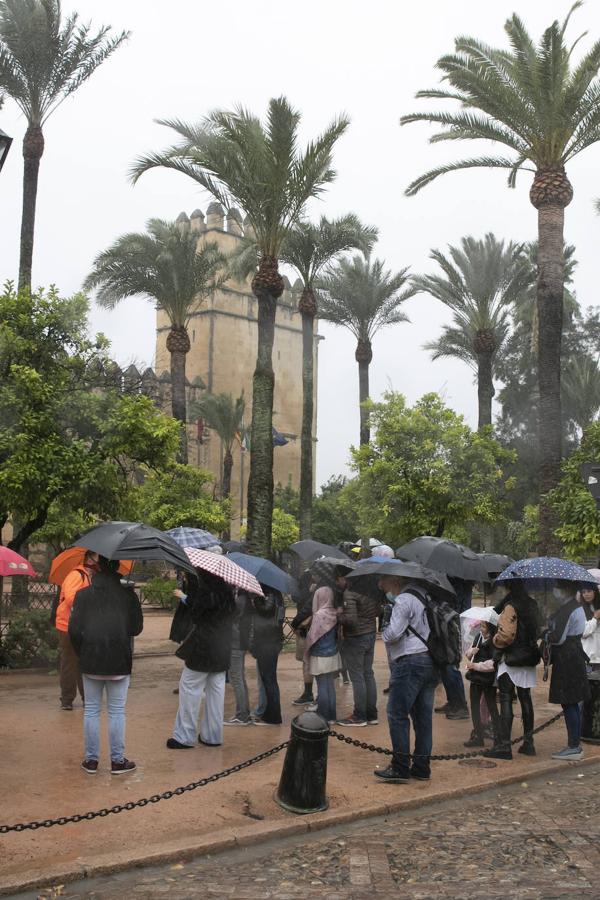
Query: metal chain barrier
x,y
155,798
362,745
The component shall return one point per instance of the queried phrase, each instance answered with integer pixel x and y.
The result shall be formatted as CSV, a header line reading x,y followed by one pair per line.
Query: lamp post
x,y
5,142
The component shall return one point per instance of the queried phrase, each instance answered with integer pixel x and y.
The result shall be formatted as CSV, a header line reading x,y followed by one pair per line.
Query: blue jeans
x,y
572,714
413,680
454,687
116,698
326,696
359,650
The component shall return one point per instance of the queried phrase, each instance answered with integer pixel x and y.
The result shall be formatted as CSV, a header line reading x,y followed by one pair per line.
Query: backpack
x,y
444,641
506,628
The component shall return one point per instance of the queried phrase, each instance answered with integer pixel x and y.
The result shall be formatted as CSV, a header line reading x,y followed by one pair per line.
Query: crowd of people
x,y
336,627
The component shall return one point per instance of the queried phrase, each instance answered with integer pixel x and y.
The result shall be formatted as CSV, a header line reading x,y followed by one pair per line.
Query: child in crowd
x,y
481,674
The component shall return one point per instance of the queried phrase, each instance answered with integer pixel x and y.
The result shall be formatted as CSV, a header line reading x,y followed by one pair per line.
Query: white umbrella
x,y
469,623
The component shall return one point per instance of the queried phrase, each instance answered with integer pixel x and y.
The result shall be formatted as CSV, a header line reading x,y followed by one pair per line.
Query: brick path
x,y
537,839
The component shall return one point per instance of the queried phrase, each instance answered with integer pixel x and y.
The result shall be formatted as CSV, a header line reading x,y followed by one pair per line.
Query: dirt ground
x,y
41,750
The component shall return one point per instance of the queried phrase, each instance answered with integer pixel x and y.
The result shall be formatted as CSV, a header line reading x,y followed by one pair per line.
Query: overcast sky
x,y
327,56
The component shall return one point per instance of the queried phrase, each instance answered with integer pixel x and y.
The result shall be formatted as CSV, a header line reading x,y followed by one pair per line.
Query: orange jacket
x,y
75,581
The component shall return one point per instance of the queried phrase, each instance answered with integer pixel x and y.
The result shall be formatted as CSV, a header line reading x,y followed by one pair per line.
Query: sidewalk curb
x,y
235,838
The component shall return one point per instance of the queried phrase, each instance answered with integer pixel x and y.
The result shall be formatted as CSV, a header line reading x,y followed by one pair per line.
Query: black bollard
x,y
304,776
590,727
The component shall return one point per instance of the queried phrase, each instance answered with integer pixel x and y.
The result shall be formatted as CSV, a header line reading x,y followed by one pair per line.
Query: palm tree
x,y
43,60
363,297
308,248
480,281
534,101
225,415
169,267
259,168
581,390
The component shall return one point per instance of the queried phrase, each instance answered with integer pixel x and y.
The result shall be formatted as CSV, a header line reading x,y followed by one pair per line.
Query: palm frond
x,y
221,412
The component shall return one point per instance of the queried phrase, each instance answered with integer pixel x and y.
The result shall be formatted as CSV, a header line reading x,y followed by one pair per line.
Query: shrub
x,y
159,592
30,640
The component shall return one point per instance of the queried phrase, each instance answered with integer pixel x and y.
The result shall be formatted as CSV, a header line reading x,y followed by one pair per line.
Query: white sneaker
x,y
569,753
236,721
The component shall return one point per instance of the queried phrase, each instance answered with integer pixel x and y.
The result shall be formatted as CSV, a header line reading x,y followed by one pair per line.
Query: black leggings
x,y
506,688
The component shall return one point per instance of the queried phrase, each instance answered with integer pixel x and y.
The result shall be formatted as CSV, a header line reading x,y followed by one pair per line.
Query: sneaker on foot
x,y
90,766
312,707
391,776
461,713
235,721
419,776
68,706
303,700
443,709
352,722
121,768
372,721
568,753
172,744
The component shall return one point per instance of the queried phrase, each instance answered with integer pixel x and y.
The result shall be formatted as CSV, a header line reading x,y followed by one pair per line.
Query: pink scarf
x,y
324,618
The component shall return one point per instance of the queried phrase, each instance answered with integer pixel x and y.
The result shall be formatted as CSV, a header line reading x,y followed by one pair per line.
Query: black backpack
x,y
444,641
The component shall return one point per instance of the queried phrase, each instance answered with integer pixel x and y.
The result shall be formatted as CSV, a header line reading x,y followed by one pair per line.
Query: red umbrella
x,y
13,564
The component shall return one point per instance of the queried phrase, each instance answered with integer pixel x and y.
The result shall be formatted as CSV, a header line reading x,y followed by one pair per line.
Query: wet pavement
x,y
535,839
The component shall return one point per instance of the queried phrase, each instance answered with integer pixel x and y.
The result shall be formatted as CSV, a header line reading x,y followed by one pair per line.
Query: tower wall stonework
x,y
223,333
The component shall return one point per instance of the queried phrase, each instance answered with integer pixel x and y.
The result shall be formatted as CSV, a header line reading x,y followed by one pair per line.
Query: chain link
x,y
133,804
362,745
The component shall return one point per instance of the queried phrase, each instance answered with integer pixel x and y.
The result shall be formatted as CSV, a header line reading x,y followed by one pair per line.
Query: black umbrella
x,y
445,556
437,581
132,540
311,550
235,546
494,564
325,569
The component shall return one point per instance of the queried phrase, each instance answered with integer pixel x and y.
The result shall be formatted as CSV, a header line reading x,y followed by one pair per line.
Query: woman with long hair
x,y
590,640
322,650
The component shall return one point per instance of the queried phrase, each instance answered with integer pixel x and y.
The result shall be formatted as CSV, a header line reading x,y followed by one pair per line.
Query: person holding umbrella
x,y
69,672
105,617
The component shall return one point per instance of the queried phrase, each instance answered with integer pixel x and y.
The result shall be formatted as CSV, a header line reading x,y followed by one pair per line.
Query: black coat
x,y
208,648
524,649
104,618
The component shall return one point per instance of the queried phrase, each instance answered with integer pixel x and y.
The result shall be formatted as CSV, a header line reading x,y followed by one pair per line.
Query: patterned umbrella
x,y
193,537
546,568
224,568
323,569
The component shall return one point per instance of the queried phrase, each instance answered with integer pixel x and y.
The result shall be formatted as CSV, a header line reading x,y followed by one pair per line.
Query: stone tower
x,y
223,334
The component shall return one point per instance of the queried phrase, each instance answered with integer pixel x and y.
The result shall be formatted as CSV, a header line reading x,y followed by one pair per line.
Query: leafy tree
x,y
225,415
258,167
66,442
179,495
334,519
44,58
169,267
536,102
363,297
581,390
575,508
285,530
287,499
480,281
425,472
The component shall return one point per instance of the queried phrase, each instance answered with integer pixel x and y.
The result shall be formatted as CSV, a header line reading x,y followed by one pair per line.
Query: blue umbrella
x,y
193,537
546,568
266,572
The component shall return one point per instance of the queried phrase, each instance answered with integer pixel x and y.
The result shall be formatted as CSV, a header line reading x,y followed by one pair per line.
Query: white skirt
x,y
521,676
321,665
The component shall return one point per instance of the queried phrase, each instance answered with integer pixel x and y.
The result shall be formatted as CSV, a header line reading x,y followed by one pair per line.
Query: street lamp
x,y
5,142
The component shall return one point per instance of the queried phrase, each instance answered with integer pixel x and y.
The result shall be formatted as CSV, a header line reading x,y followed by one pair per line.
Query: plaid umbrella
x,y
224,568
193,537
323,569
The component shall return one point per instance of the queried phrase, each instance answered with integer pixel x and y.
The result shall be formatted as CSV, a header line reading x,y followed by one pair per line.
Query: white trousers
x,y
192,687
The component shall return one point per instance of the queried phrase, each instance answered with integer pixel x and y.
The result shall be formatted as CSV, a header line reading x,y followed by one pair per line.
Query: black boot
x,y
502,747
527,747
305,697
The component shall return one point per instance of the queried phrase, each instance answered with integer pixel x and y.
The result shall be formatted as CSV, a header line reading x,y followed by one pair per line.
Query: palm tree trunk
x,y
226,485
33,148
178,400
363,356
267,286
485,389
550,193
306,440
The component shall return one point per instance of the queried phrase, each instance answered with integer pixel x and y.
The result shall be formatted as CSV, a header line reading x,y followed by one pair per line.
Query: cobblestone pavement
x,y
530,840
